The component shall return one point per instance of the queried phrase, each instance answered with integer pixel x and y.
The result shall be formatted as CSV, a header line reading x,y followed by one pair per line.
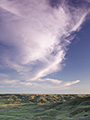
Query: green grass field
x,y
44,107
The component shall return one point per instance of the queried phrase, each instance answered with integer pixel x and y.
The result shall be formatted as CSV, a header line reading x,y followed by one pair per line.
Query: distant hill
x,y
37,98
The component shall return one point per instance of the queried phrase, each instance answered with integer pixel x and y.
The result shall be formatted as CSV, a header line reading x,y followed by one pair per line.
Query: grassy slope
x,y
77,108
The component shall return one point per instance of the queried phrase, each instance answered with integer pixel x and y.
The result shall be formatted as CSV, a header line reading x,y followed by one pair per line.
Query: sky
x,y
44,46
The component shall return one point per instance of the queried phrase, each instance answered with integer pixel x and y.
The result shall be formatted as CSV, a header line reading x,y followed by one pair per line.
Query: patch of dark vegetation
x,y
80,110
80,100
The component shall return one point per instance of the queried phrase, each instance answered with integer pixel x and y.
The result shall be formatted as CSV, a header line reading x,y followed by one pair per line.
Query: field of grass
x,y
70,107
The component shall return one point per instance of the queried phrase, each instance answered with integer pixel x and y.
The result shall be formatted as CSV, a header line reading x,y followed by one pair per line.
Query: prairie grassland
x,y
70,107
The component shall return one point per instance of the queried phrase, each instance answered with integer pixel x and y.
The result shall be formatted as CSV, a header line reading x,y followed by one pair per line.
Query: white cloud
x,y
7,6
3,75
81,20
34,40
44,86
26,83
7,81
71,83
55,81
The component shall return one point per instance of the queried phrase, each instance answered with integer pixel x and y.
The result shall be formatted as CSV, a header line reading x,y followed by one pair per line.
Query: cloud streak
x,y
46,85
34,35
71,83
49,85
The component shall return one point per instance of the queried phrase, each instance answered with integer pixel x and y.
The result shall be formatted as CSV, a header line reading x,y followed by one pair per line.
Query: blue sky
x,y
77,61
44,46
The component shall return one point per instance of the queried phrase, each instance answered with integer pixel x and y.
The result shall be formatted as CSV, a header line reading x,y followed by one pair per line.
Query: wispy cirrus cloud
x,y
34,35
3,75
8,81
47,85
55,81
5,79
71,83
